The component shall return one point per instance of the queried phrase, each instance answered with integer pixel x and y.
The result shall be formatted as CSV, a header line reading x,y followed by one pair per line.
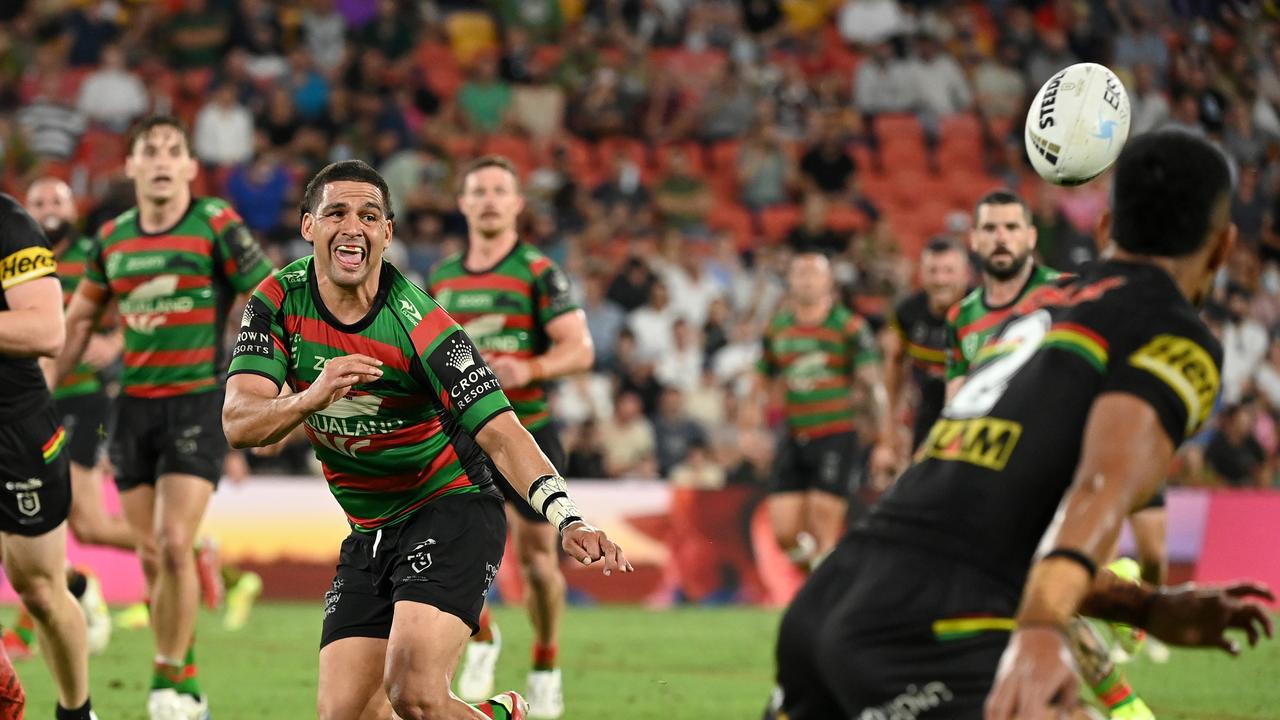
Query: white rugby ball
x,y
1077,124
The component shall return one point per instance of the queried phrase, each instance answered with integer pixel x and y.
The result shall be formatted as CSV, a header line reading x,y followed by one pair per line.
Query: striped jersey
x,y
174,289
83,379
817,363
924,342
991,475
505,310
25,256
971,322
393,445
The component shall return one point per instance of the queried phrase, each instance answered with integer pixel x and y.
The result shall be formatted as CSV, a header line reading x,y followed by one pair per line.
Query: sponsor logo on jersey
x,y
348,446
410,311
485,325
142,263
983,441
26,264
459,356
358,406
1188,370
252,342
144,308
803,373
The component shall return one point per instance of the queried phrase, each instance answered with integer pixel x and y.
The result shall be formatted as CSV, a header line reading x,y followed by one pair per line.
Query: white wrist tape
x,y
549,495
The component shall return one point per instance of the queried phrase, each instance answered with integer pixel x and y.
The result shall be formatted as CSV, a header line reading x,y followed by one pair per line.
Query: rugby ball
x,y
1077,124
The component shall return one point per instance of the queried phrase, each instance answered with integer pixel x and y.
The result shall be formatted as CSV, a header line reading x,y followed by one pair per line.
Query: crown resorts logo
x,y
459,356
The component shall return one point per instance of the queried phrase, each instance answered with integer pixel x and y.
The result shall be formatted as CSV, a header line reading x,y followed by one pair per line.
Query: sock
x,y
485,633
25,628
191,685
180,676
80,713
1114,690
77,583
544,656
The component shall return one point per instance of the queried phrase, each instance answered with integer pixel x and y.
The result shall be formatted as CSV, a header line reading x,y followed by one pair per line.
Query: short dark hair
x,y
940,245
353,170
488,161
1003,196
1167,186
144,127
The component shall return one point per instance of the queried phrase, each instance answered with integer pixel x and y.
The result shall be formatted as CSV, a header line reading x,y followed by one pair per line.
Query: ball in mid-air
x,y
1077,124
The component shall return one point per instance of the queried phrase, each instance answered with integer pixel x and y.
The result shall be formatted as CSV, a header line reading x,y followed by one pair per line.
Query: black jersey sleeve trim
x,y
248,371
480,425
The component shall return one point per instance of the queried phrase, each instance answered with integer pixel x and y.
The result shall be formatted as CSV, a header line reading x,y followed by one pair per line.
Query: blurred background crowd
x,y
673,154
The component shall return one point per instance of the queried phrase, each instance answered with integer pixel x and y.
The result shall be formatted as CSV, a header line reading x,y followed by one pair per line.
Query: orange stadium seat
x,y
440,68
724,156
515,148
633,149
903,157
776,222
730,217
895,128
846,219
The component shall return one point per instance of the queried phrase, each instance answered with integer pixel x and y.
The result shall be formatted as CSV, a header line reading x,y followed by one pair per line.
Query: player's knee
x,y
85,528
173,548
540,567
38,594
411,699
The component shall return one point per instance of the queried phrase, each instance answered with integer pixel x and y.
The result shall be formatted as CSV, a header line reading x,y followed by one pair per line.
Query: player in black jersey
x,y
916,336
35,482
1075,408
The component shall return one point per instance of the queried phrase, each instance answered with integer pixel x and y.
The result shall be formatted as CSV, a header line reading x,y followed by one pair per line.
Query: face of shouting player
x,y
50,202
1004,238
809,278
491,202
349,230
161,166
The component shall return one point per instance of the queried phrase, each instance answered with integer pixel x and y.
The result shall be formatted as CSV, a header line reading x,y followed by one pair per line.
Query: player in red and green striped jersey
x,y
815,353
1004,239
82,403
401,409
515,304
175,265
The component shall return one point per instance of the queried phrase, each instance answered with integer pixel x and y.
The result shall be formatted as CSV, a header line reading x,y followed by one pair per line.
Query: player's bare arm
x,y
32,326
884,454
255,413
83,312
519,459
571,352
894,354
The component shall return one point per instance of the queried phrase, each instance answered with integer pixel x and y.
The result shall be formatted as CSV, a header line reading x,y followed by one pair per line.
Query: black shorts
x,y
829,463
880,625
35,477
445,555
85,418
549,440
157,436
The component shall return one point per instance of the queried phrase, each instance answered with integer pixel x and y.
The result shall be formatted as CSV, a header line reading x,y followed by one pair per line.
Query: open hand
x,y
1197,616
512,372
1036,674
337,378
588,544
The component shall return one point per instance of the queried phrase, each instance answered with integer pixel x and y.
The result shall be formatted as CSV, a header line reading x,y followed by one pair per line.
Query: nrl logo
x,y
419,558
26,495
459,357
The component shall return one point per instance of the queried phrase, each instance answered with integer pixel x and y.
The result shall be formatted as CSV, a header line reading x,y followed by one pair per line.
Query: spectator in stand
x,y
715,330
884,84
324,34
868,22
686,276
652,323
223,131
628,440
1249,208
586,453
682,196
1148,105
309,88
260,189
196,34
1267,379
541,19
941,88
1050,56
605,318
681,367
93,27
827,167
51,126
391,31
813,234
673,431
631,287
112,95
1234,456
766,172
1241,139
999,85
1140,41
1244,344
484,99
621,187
725,111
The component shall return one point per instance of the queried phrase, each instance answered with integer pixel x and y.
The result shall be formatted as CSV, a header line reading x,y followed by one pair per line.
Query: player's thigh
x,y
138,505
180,503
192,441
350,684
35,558
825,513
86,492
425,646
786,514
535,540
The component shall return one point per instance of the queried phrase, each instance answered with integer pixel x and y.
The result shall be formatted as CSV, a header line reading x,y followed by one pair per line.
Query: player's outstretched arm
x,y
519,459
32,326
82,315
255,413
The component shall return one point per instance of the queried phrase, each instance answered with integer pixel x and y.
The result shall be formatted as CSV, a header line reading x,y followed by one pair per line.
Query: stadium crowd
x,y
673,153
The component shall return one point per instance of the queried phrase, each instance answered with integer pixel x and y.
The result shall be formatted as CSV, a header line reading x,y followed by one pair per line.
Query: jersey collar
x,y
380,299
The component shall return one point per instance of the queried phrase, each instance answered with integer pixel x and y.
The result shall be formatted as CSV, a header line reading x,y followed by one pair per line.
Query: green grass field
x,y
620,663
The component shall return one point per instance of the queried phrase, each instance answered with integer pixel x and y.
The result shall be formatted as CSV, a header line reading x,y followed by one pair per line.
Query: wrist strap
x,y
549,495
1077,557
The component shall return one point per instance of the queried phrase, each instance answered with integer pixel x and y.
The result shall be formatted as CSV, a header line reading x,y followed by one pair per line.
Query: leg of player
x,y
825,514
139,507
36,568
1148,525
537,546
89,520
786,517
424,647
180,504
351,680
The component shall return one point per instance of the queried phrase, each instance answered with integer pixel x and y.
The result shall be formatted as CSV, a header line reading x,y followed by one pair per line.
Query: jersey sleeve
x,y
466,386
553,296
243,263
260,347
25,253
1174,365
861,342
957,363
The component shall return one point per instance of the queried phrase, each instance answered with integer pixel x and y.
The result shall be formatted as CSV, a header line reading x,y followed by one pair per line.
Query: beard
x,y
1004,272
59,231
